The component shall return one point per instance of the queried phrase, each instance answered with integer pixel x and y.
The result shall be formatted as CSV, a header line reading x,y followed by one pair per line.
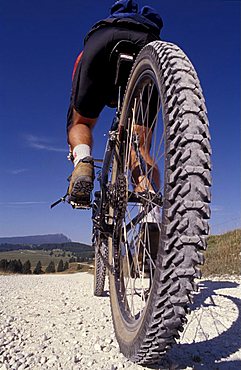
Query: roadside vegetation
x,y
223,255
45,261
44,256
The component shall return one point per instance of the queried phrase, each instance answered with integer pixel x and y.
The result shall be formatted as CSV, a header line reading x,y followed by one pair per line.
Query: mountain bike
x,y
150,214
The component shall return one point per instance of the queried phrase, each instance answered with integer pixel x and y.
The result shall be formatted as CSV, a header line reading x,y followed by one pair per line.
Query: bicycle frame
x,y
100,213
101,199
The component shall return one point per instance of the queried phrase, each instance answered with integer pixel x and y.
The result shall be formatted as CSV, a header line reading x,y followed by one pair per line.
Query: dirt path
x,y
55,322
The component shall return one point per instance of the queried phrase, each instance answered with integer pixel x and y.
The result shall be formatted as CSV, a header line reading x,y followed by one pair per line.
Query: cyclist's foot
x,y
82,182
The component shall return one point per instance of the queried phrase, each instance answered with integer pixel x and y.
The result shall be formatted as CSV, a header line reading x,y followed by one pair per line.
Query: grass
x,y
33,256
44,257
223,255
78,267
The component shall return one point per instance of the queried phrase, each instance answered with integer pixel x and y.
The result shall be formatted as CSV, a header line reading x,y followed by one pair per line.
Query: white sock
x,y
80,151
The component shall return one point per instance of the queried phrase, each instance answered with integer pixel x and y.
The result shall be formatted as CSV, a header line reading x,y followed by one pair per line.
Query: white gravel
x,y
55,322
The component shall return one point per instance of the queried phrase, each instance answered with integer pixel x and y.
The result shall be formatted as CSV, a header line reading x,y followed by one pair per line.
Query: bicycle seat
x,y
121,60
122,57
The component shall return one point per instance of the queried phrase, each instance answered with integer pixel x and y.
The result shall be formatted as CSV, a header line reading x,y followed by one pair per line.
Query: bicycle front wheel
x,y
161,177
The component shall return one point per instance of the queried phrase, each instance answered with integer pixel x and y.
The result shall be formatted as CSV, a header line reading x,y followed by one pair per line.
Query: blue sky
x,y
39,43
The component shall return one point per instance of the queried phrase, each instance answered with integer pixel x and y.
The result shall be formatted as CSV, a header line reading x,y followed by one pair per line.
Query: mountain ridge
x,y
36,239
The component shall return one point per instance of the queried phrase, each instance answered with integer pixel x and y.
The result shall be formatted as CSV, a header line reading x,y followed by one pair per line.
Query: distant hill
x,y
35,239
73,247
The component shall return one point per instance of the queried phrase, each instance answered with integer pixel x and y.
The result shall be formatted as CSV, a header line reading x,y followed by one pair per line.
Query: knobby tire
x,y
145,335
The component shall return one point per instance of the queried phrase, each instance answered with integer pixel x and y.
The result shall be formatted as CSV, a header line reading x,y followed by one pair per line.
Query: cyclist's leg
x,y
87,101
140,180
144,122
80,130
89,89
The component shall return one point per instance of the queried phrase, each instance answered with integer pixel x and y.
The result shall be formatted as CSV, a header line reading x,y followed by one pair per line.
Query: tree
x,y
3,265
38,269
51,267
27,267
19,267
66,265
60,267
12,266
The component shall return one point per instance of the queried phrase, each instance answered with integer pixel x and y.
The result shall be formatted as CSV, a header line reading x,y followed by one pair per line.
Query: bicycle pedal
x,y
84,206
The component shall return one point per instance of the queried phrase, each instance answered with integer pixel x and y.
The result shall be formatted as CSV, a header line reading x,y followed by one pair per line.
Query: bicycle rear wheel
x,y
101,256
156,245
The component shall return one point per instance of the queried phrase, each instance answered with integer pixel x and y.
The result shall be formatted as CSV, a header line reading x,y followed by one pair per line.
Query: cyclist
x,y
92,83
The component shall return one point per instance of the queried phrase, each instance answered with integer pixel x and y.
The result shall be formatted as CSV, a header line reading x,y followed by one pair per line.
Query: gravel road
x,y
55,322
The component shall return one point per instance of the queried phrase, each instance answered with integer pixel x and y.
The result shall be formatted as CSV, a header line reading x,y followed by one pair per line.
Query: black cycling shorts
x,y
92,79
